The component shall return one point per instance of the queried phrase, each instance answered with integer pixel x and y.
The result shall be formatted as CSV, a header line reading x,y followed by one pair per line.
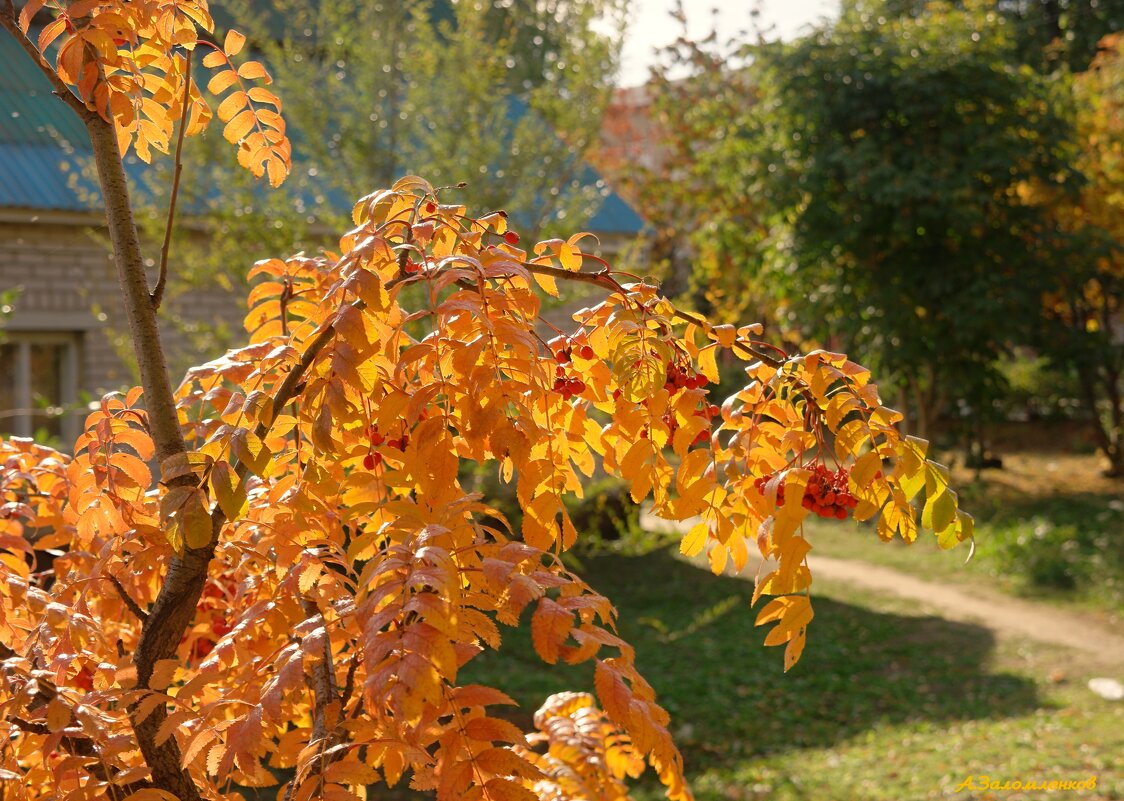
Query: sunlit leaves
x,y
128,61
356,569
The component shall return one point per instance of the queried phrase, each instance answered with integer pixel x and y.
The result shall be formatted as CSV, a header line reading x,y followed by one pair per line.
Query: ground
x,y
904,692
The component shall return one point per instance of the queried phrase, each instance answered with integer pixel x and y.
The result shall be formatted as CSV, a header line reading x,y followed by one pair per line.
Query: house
x,y
61,335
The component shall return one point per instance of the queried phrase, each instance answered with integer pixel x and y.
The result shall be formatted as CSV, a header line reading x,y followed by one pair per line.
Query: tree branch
x,y
133,606
10,21
179,594
603,278
162,278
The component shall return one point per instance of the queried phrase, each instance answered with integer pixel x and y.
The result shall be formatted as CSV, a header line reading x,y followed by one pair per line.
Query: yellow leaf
x,y
794,649
708,365
725,335
151,794
507,790
58,715
695,540
251,451
232,46
252,70
229,491
221,81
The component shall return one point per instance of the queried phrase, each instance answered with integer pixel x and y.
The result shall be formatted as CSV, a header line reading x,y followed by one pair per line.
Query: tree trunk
x,y
175,604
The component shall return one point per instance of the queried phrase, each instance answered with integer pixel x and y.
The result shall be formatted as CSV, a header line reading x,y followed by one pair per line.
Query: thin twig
x,y
603,278
134,607
162,279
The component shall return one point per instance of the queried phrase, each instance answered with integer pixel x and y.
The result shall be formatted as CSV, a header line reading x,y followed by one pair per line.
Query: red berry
x,y
430,207
562,356
586,352
701,380
511,238
841,514
377,439
712,410
369,461
616,394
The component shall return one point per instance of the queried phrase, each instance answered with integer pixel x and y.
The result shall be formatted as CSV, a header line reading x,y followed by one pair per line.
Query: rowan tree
x,y
275,565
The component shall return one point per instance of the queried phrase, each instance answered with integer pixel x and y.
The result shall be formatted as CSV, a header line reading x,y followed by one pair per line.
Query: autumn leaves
x,y
130,63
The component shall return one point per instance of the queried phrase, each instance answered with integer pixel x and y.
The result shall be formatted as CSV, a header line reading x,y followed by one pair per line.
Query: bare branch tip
x,y
133,606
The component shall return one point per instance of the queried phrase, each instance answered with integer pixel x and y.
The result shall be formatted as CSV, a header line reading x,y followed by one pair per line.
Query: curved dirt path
x,y
1002,614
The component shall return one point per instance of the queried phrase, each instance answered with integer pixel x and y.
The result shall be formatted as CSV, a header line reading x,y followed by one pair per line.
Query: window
x,y
39,386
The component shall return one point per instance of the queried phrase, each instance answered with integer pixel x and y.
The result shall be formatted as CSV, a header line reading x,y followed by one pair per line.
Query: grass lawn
x,y
888,701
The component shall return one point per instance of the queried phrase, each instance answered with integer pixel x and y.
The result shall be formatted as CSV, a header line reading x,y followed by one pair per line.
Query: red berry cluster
x,y
568,386
827,493
563,348
683,377
374,458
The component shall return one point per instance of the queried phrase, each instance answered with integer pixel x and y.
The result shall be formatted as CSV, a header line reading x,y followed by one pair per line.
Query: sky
x,y
651,26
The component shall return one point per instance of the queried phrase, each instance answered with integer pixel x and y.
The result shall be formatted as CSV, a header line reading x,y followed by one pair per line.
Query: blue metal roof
x,y
40,138
44,151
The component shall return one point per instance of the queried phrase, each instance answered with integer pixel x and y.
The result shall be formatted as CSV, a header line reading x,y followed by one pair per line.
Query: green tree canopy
x,y
884,155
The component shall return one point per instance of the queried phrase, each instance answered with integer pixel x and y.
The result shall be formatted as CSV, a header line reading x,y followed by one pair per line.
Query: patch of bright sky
x,y
650,26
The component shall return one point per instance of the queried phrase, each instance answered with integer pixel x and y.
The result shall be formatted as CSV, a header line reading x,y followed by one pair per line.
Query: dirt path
x,y
1002,614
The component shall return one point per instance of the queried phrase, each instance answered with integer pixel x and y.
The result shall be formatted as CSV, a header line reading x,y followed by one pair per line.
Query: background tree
x,y
1085,334
303,576
888,152
1053,34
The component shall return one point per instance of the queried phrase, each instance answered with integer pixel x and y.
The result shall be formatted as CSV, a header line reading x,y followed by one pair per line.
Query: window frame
x,y
21,417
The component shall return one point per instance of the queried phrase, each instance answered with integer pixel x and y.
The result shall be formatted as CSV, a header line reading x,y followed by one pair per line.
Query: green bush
x,y
609,521
1052,553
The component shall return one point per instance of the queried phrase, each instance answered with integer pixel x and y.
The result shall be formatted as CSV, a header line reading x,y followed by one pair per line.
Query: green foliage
x,y
875,169
1053,34
1061,545
610,521
1036,390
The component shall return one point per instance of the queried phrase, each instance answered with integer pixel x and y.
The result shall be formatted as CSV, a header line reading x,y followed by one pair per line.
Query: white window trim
x,y
68,382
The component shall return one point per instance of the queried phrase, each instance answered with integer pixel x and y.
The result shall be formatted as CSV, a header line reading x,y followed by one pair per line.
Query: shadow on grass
x,y
728,695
